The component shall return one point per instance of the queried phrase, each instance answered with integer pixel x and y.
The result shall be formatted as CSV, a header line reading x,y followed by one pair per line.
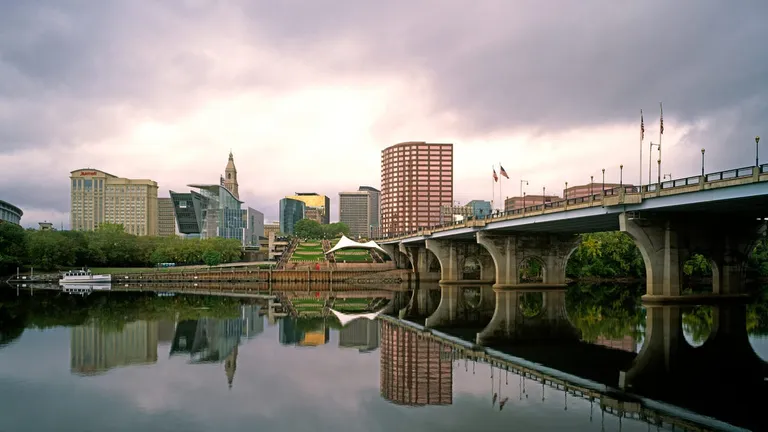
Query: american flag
x,y
642,126
502,171
495,177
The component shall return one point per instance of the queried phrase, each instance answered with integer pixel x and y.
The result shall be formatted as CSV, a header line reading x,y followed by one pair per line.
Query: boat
x,y
84,276
84,289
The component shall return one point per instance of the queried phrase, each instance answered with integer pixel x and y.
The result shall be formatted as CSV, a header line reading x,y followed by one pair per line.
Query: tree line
x,y
108,246
608,255
312,229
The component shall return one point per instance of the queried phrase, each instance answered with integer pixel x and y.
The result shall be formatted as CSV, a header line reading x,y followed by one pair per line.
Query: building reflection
x,y
414,370
95,349
212,340
360,334
306,332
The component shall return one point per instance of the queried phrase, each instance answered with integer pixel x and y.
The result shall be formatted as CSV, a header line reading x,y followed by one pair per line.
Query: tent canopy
x,y
346,243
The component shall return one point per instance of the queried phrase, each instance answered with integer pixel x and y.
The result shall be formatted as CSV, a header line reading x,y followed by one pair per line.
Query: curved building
x,y
211,211
10,213
416,181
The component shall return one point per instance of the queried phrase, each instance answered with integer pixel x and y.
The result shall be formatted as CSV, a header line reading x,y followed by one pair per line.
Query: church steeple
x,y
230,176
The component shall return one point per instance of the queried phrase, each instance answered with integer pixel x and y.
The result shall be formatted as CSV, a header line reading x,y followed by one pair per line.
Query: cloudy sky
x,y
307,94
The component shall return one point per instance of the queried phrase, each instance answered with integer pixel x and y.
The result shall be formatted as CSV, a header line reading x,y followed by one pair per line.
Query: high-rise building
x,y
317,207
98,197
359,210
416,180
94,349
291,211
211,211
166,219
253,225
10,213
230,177
414,370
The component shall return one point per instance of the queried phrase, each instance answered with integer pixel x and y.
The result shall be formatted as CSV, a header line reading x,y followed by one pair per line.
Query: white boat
x,y
84,276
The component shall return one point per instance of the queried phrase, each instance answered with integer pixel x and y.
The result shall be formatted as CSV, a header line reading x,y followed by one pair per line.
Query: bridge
x,y
719,215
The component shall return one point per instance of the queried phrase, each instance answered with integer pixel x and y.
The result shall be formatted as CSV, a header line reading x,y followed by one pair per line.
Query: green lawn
x,y
353,255
308,251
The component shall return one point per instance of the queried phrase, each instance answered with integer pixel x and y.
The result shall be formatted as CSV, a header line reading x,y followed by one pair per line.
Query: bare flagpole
x,y
501,197
493,188
661,132
642,136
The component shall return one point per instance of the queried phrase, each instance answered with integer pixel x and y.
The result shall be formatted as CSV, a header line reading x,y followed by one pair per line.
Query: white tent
x,y
346,243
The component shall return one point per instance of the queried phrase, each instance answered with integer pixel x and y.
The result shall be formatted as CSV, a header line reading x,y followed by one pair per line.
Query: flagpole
x,y
642,135
493,188
501,198
661,132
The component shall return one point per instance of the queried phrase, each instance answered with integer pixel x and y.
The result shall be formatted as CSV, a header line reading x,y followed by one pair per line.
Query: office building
x,y
316,207
271,227
359,210
475,209
46,226
211,211
98,197
588,189
515,203
95,349
253,226
414,370
291,211
10,213
480,208
416,180
166,219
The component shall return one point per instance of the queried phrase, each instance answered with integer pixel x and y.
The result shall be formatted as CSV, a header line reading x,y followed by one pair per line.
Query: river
x,y
129,361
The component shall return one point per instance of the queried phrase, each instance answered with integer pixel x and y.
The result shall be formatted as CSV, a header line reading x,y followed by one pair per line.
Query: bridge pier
x,y
421,262
666,242
453,255
457,301
511,323
509,251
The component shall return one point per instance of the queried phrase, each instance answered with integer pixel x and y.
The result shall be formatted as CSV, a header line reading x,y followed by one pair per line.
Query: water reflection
x,y
540,383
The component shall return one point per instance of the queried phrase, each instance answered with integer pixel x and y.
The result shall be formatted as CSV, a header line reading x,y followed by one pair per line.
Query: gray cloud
x,y
73,71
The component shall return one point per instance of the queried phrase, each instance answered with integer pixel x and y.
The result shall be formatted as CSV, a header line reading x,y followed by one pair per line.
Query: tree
x,y
308,228
336,229
212,258
13,247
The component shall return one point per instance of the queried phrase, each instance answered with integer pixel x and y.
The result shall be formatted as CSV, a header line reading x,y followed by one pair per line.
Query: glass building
x,y
291,211
211,211
480,208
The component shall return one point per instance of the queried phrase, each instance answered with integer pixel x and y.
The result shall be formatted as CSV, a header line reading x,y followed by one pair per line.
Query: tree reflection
x,y
610,311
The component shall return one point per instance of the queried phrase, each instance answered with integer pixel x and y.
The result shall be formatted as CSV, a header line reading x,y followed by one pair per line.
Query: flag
x,y
642,126
495,177
502,171
661,120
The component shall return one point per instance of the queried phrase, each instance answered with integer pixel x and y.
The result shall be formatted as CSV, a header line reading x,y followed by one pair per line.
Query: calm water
x,y
138,361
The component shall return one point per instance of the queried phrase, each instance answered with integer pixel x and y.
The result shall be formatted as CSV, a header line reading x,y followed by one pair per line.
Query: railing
x,y
593,198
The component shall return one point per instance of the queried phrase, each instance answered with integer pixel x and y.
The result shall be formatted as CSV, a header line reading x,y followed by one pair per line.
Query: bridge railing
x,y
598,197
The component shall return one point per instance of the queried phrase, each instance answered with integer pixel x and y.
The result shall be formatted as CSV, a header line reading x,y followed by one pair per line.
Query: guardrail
x,y
593,199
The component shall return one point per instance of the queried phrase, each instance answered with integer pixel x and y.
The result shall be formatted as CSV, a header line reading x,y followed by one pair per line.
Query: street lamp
x,y
521,186
757,156
603,181
621,175
543,197
702,162
565,192
591,182
658,174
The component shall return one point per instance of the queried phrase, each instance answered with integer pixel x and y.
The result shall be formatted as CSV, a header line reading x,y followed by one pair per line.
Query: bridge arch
x,y
532,269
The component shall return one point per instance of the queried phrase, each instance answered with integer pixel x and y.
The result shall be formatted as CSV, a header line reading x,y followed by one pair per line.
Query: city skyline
x,y
551,97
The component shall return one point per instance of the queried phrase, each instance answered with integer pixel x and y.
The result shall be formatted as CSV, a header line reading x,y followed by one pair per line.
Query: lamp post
x,y
543,197
521,186
621,175
591,182
603,181
702,162
757,155
658,175
565,192
523,202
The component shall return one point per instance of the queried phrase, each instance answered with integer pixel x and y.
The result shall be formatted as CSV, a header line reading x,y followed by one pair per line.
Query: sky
x,y
307,94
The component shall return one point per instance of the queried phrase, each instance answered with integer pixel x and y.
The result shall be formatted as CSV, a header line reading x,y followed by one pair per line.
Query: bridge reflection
x,y
723,378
